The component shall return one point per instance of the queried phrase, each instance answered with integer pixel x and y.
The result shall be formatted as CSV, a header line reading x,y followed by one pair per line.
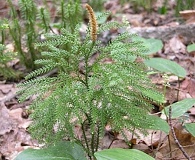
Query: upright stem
x,y
93,32
87,55
63,15
44,20
85,138
92,143
2,37
98,134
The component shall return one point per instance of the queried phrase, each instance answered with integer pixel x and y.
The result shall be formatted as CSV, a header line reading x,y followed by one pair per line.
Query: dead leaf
x,y
119,143
134,19
6,124
142,147
188,85
192,111
153,138
175,45
188,15
112,5
13,135
184,138
78,131
4,9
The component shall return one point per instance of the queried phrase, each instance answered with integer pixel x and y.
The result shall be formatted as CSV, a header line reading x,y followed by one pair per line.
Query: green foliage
x,y
153,45
70,13
163,9
146,4
3,27
98,93
61,151
122,154
97,5
72,151
190,127
159,124
182,5
44,20
5,57
191,48
25,27
179,108
166,66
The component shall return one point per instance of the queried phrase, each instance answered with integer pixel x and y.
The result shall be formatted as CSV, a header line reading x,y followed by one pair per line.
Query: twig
x,y
175,138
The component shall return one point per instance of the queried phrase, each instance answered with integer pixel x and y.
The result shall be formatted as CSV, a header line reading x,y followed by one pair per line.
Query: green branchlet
x,y
18,30
5,57
68,10
26,28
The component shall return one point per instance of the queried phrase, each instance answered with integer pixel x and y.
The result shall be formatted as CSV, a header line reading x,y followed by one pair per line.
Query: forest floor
x,y
14,116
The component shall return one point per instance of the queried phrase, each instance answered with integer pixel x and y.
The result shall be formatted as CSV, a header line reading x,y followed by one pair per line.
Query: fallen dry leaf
x,y
188,15
112,5
6,124
191,111
119,143
188,85
4,9
175,45
142,147
13,134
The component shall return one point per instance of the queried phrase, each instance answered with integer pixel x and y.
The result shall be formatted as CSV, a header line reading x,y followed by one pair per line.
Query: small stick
x,y
175,138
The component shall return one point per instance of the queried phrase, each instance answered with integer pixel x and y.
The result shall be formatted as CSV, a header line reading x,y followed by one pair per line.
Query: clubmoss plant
x,y
44,18
182,5
118,92
24,26
70,14
146,4
6,56
5,70
3,27
97,5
